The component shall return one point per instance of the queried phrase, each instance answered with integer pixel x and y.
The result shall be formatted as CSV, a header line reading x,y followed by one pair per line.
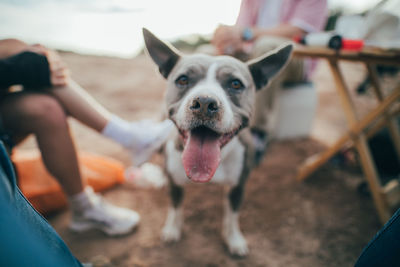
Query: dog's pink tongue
x,y
201,155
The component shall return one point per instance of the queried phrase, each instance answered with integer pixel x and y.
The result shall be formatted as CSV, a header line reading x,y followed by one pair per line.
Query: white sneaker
x,y
93,212
150,136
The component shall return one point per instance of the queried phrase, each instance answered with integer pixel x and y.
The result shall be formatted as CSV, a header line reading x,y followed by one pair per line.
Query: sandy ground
x,y
323,221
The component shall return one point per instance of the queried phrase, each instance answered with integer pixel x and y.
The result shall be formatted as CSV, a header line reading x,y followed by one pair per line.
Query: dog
x,y
210,99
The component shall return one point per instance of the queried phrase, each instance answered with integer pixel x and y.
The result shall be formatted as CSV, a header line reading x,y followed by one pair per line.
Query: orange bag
x,y
44,192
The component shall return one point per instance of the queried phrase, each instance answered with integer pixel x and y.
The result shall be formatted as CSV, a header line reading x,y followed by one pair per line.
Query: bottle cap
x,y
355,45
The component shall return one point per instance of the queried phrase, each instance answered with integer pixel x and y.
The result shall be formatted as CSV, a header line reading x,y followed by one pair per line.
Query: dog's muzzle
x,y
204,137
205,108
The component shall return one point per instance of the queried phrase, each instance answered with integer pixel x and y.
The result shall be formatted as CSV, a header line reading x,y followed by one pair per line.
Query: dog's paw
x,y
170,233
237,245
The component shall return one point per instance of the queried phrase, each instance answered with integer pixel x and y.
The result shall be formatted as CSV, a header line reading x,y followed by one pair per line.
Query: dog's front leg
x,y
231,233
172,229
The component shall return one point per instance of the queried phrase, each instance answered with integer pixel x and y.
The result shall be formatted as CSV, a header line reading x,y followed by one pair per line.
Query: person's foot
x,y
148,137
91,211
141,138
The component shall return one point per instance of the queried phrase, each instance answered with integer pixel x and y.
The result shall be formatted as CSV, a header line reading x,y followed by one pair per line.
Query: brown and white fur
x,y
211,101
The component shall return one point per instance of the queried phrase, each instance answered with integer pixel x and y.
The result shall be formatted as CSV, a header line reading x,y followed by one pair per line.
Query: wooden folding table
x,y
360,129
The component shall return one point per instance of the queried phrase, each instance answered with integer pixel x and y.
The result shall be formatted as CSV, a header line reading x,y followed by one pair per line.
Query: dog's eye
x,y
182,80
236,84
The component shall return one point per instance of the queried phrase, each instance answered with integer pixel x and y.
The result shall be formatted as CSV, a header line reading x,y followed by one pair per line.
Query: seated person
x,y
42,107
261,26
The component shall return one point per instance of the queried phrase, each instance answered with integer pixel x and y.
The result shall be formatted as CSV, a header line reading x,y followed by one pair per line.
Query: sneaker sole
x,y
80,227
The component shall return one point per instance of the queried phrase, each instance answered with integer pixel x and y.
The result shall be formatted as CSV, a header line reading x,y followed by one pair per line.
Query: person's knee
x,y
11,47
13,42
46,112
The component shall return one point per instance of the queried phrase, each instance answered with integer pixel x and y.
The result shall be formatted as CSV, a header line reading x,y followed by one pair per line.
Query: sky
x,y
113,27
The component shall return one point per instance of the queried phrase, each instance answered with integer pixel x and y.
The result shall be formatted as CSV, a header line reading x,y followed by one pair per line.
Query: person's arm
x,y
229,39
284,30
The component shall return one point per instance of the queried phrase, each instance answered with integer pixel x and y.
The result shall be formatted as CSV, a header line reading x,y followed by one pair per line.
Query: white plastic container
x,y
294,111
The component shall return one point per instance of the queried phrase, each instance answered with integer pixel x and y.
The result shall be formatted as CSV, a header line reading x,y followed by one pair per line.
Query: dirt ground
x,y
323,221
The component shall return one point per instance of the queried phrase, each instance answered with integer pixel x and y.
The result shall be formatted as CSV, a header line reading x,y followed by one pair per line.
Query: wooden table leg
x,y
316,161
361,145
391,122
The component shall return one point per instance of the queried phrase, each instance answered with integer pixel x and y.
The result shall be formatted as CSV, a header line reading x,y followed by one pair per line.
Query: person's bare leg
x,y
43,116
80,105
141,138
9,47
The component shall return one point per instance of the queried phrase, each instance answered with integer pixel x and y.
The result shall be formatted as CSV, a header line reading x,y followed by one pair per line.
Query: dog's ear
x,y
163,54
264,68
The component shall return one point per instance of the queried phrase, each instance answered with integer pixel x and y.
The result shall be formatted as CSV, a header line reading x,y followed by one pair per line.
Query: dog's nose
x,y
204,105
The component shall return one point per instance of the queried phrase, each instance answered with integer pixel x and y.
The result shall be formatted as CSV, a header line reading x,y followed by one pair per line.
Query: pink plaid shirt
x,y
309,15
